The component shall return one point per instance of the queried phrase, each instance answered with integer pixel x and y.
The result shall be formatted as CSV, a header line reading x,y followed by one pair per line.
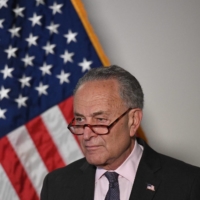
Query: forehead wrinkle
x,y
94,114
100,113
109,98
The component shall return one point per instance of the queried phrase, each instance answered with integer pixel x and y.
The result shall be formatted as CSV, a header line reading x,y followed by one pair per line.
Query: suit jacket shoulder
x,y
75,181
162,177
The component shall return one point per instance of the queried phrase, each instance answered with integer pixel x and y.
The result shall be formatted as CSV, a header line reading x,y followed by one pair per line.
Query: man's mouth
x,y
92,147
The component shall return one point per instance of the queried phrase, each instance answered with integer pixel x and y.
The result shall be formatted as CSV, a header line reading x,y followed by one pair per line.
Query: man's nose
x,y
88,133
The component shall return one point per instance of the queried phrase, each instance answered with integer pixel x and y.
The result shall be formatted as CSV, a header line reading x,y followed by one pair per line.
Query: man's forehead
x,y
97,102
95,97
93,114
97,108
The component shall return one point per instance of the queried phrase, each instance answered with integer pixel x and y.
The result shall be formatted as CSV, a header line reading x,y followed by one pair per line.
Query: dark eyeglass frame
x,y
91,126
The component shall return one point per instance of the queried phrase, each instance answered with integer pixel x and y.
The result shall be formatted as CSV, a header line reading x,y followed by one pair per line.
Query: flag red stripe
x,y
44,144
66,108
15,171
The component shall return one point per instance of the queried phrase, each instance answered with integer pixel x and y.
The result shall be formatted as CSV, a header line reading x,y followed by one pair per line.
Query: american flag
x,y
150,187
45,47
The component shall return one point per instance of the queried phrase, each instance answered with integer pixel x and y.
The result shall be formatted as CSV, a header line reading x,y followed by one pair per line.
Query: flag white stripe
x,y
64,141
29,156
7,192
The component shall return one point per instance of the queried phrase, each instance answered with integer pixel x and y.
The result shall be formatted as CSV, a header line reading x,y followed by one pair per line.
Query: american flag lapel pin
x,y
150,187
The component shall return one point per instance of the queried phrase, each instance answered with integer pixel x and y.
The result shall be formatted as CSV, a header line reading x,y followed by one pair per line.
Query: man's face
x,y
98,102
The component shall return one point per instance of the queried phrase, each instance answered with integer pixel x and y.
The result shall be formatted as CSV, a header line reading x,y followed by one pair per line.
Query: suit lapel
x,y
83,185
146,181
89,179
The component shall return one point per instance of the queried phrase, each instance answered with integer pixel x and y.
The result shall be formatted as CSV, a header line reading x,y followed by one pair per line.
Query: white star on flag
x,y
18,11
14,31
63,77
70,36
31,40
46,69
3,3
49,48
42,89
53,28
28,60
85,65
39,2
35,19
7,72
4,93
56,8
2,111
25,81
21,101
1,22
67,56
11,51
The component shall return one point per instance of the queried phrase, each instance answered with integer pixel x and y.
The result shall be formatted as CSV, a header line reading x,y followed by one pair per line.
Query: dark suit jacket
x,y
172,179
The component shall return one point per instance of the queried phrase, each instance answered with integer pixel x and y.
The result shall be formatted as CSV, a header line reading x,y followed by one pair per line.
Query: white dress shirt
x,y
127,171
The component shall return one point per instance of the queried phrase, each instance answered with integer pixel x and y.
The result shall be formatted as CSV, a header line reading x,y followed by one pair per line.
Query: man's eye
x,y
102,120
78,119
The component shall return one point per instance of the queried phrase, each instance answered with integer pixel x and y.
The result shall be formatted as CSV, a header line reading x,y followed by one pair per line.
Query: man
x,y
108,106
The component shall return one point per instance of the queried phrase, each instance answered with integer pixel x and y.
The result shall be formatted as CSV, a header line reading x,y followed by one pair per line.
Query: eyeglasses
x,y
98,129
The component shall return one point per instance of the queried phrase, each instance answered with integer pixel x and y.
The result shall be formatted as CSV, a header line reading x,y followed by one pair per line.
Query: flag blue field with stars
x,y
44,50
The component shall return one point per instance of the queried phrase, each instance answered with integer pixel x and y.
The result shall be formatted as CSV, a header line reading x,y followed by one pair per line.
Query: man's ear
x,y
135,118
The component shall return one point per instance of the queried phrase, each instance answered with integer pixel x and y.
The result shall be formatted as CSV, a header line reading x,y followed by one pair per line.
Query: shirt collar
x,y
128,168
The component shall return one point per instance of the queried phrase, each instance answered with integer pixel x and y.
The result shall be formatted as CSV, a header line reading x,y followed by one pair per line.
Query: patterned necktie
x,y
113,191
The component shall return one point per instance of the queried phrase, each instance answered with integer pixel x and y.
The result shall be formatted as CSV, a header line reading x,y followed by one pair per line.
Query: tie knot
x,y
112,176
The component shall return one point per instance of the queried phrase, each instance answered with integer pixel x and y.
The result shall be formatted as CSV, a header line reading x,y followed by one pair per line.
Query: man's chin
x,y
93,160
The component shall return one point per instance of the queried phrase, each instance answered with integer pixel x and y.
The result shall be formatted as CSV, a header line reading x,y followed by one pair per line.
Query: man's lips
x,y
92,147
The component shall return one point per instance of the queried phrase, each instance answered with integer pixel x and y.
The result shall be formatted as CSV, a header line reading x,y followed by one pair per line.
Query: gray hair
x,y
129,88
